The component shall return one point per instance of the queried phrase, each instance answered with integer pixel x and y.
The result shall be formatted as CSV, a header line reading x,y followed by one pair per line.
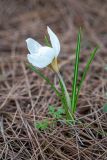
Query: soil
x,y
25,97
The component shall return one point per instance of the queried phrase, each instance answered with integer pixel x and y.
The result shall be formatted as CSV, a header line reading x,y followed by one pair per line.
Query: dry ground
x,y
24,97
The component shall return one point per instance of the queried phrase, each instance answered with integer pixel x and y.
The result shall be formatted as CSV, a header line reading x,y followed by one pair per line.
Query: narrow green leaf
x,y
76,72
85,73
45,78
87,67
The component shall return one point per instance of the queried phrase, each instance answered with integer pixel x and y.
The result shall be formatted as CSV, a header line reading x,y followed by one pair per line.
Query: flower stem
x,y
66,99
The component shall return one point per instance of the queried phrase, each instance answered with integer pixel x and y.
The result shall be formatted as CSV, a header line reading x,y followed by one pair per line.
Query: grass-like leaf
x,y
84,75
44,77
75,78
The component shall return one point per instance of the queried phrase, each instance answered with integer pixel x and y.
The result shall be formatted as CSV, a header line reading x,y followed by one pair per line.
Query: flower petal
x,y
54,41
44,57
32,45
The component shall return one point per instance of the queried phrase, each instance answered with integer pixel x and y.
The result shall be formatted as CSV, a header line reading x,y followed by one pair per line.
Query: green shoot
x,y
42,125
74,86
56,114
84,75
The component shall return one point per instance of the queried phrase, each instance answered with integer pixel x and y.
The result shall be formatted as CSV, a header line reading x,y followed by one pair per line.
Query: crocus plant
x,y
40,56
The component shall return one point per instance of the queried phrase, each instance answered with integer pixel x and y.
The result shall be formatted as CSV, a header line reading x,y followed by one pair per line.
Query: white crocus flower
x,y
42,56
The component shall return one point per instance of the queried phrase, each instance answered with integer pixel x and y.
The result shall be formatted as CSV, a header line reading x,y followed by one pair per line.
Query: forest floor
x,y
25,97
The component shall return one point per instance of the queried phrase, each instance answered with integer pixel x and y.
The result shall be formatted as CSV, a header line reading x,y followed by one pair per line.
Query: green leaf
x,y
42,125
87,67
61,110
56,113
59,113
51,109
76,72
44,77
105,108
84,74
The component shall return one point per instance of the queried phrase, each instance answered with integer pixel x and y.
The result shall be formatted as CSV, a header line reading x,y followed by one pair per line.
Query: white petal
x,y
32,45
54,41
44,57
